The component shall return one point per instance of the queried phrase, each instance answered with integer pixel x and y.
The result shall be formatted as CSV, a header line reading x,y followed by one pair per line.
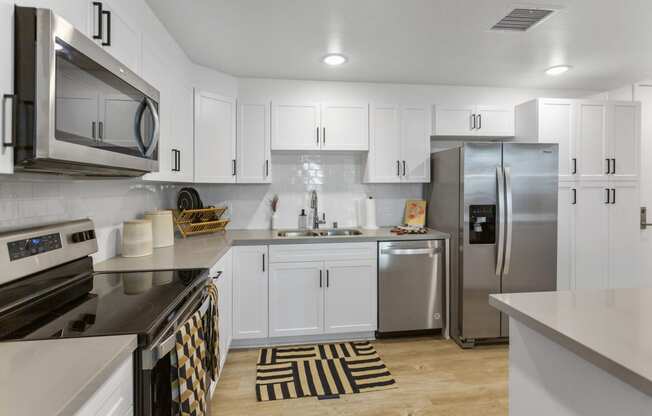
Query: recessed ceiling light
x,y
334,59
557,69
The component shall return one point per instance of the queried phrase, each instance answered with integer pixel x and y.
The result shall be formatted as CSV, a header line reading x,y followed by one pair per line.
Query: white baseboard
x,y
307,339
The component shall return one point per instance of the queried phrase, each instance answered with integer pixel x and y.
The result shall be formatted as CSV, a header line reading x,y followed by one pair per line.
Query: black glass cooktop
x,y
82,303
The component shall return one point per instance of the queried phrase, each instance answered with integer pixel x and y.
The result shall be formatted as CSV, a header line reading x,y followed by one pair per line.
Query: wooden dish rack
x,y
200,221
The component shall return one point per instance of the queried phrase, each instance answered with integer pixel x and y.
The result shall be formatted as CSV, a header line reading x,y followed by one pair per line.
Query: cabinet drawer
x,y
115,396
283,253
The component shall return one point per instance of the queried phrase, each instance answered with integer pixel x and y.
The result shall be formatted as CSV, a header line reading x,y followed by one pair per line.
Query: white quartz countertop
x,y
610,328
203,251
56,377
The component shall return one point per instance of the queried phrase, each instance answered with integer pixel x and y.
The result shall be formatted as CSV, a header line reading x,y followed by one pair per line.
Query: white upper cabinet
x,y
345,127
253,143
399,149
76,12
110,27
415,139
215,138
592,143
6,86
385,147
313,126
181,149
625,140
598,140
473,120
295,126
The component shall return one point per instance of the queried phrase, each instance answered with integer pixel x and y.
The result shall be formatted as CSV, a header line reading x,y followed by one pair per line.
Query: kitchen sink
x,y
297,234
319,233
342,232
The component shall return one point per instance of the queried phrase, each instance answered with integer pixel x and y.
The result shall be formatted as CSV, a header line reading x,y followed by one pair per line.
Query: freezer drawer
x,y
410,275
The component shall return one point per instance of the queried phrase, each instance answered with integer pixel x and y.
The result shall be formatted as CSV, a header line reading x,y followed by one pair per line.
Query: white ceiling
x,y
608,42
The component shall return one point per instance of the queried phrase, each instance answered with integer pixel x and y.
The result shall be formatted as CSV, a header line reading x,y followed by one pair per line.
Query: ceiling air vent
x,y
522,19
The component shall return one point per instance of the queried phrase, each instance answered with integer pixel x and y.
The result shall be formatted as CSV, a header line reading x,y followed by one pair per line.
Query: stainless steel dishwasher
x,y
410,275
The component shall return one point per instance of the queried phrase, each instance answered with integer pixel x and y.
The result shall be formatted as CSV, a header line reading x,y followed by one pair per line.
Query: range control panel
x,y
32,246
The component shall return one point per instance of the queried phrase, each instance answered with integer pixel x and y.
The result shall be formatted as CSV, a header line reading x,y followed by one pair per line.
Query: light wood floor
x,y
434,376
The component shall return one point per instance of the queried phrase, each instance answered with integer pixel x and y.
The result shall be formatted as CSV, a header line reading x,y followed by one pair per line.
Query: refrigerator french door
x,y
499,203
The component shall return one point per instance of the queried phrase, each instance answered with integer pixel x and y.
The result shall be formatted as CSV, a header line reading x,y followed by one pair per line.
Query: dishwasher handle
x,y
411,251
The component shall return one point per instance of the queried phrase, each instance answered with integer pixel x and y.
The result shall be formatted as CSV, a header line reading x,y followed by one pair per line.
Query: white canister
x,y
137,238
162,227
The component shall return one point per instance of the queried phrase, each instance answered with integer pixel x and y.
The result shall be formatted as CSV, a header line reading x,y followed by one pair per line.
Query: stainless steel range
x,y
48,290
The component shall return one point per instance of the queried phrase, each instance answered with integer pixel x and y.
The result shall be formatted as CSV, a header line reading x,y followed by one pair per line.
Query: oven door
x,y
154,388
89,108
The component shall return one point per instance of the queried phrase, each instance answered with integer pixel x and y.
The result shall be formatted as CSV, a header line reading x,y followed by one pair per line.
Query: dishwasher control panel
x,y
482,224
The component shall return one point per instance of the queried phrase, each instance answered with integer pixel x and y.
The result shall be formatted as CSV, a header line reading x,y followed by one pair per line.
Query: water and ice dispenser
x,y
482,224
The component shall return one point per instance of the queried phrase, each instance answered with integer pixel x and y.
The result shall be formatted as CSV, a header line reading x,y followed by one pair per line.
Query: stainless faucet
x,y
315,211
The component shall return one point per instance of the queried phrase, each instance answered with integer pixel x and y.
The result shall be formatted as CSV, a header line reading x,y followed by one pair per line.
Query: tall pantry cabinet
x,y
599,164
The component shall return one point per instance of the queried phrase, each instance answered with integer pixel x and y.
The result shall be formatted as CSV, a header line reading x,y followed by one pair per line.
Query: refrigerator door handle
x,y
500,247
508,214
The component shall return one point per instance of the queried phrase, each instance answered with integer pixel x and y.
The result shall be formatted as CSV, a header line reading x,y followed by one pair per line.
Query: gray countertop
x,y
610,328
203,251
56,377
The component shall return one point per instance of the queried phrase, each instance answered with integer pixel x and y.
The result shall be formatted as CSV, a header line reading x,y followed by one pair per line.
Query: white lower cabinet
x,y
250,292
350,296
296,299
599,235
322,289
116,396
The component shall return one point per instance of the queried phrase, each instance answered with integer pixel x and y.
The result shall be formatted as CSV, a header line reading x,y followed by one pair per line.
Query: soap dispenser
x,y
303,220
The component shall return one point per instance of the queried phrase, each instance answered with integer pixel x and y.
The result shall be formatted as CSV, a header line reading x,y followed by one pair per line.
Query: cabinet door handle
x,y
574,166
574,202
108,28
323,135
178,160
613,166
318,136
472,121
234,168
98,6
100,130
398,168
613,195
174,160
608,196
328,278
14,108
93,129
267,168
608,166
263,261
479,121
320,278
404,170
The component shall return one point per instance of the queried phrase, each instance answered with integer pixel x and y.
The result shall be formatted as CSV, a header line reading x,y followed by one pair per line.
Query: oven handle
x,y
160,347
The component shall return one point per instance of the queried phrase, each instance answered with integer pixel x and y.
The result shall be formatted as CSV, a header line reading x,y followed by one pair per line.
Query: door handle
x,y
608,196
613,165
479,121
267,168
508,218
398,168
178,160
320,278
108,28
263,261
500,247
93,129
14,105
574,166
317,135
233,168
574,202
323,135
328,278
472,118
100,130
410,251
613,196
404,170
98,6
608,166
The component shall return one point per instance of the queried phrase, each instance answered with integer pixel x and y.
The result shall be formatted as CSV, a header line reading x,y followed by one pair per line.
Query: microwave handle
x,y
147,152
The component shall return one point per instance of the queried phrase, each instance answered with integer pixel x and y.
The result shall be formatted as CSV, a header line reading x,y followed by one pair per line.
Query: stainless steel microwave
x,y
78,111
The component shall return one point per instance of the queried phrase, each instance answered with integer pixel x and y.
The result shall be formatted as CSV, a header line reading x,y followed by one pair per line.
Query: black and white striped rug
x,y
324,370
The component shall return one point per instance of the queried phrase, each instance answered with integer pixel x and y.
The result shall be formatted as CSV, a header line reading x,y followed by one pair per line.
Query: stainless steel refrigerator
x,y
499,203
